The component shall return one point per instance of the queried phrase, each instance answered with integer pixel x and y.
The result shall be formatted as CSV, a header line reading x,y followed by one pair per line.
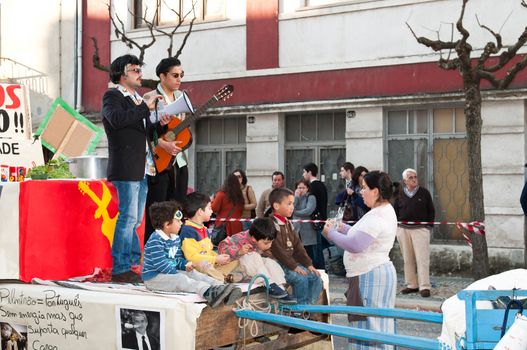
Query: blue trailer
x,y
483,326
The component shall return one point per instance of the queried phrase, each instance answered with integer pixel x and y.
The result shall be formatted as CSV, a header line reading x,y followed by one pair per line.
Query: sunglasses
x,y
137,70
178,75
178,215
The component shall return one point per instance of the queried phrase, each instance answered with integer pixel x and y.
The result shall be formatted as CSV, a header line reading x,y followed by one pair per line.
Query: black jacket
x,y
319,190
123,122
130,341
418,208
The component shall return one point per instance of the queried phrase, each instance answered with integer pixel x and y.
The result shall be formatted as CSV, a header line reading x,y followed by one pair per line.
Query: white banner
x,y
22,153
17,148
15,118
56,318
9,230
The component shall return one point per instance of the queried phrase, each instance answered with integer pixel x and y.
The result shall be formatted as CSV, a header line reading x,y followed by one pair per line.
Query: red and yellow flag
x,y
66,227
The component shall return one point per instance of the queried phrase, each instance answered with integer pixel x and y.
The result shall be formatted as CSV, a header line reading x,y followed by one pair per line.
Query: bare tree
x,y
151,24
494,59
170,34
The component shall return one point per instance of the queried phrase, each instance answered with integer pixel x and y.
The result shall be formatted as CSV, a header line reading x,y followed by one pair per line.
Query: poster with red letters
x,y
17,148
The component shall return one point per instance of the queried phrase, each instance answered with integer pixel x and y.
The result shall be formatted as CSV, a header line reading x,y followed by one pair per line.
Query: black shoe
x,y
276,292
409,290
216,294
425,293
289,299
234,295
127,277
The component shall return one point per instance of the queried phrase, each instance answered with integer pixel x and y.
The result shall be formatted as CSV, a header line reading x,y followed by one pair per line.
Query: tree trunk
x,y
480,260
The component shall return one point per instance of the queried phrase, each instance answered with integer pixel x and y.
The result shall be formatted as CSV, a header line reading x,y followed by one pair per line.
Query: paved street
x,y
442,288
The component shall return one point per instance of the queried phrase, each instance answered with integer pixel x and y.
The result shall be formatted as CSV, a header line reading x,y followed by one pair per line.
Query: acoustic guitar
x,y
178,130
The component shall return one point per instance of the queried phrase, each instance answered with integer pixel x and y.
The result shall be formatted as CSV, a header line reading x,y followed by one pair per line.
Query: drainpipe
x,y
78,56
60,48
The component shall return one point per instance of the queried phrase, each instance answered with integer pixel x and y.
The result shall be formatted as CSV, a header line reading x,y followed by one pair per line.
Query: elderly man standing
x,y
414,203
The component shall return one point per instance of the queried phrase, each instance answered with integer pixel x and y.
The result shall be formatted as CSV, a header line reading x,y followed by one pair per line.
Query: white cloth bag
x,y
516,336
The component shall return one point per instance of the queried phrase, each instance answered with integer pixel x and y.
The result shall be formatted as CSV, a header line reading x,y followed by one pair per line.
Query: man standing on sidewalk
x,y
414,203
263,203
319,190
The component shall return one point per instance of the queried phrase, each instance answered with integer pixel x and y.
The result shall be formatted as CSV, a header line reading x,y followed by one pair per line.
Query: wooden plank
x,y
289,341
219,326
223,325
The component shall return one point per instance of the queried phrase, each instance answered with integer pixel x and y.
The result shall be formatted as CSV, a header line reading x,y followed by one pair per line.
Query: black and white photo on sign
x,y
13,336
140,329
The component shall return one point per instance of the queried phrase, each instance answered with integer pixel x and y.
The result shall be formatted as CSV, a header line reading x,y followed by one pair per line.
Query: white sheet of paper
x,y
181,105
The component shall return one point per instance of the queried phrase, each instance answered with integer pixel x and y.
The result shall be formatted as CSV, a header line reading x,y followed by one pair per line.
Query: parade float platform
x,y
86,315
53,230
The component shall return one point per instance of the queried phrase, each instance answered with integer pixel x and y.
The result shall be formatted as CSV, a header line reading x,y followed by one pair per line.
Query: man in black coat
x,y
319,190
126,118
141,335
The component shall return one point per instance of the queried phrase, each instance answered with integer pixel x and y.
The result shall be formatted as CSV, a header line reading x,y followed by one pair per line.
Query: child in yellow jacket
x,y
196,243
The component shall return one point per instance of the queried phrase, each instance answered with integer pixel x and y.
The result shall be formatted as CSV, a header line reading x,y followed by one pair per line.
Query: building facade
x,y
330,81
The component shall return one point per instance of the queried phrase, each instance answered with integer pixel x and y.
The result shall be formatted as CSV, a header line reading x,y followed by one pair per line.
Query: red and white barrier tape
x,y
476,227
466,228
473,227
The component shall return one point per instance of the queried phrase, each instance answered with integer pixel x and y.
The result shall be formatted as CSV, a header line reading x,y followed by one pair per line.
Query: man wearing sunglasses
x,y
171,183
126,119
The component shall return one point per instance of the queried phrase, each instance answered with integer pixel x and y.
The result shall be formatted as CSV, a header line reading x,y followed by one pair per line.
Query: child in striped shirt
x,y
165,267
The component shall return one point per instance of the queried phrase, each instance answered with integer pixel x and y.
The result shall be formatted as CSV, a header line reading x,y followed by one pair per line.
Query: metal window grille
x,y
220,148
432,141
317,137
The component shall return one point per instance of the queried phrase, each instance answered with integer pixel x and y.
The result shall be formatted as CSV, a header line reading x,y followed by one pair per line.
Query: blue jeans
x,y
306,289
126,250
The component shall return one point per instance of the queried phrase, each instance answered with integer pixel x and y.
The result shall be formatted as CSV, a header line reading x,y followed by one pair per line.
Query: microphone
x,y
155,109
130,326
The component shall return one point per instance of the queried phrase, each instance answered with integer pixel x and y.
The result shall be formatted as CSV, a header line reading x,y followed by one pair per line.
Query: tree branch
x,y
130,42
171,34
490,47
151,25
463,48
448,64
436,45
511,73
459,24
96,59
507,79
187,34
483,74
506,56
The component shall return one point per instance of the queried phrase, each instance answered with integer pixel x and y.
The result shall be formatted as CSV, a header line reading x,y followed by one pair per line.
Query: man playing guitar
x,y
170,183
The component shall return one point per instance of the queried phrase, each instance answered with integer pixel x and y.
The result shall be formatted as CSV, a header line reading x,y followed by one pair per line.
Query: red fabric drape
x,y
63,225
